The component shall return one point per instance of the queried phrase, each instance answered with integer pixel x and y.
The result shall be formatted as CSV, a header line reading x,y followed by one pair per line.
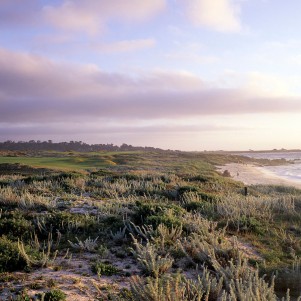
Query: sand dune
x,y
251,174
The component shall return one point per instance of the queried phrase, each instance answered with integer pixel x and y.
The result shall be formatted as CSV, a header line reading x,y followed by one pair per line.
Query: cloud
x,y
90,16
77,16
8,130
70,16
192,57
35,89
219,15
18,12
124,46
190,52
271,84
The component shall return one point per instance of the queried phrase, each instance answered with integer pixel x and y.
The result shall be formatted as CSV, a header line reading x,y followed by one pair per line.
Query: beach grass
x,y
168,219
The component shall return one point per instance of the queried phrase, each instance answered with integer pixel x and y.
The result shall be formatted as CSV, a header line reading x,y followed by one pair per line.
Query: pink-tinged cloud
x,y
219,15
18,12
7,129
124,46
90,16
34,89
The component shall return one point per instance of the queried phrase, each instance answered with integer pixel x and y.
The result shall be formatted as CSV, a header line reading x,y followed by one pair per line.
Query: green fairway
x,y
62,163
132,160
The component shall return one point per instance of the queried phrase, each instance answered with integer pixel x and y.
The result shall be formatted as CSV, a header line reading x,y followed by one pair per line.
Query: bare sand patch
x,y
251,174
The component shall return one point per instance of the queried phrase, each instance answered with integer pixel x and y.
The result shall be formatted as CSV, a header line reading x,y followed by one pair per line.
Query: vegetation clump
x,y
106,269
54,295
165,223
10,258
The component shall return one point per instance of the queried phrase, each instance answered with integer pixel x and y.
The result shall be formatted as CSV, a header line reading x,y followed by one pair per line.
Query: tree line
x,y
79,146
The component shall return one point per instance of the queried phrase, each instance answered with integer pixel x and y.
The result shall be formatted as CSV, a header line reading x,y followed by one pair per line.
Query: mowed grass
x,y
74,161
179,162
61,163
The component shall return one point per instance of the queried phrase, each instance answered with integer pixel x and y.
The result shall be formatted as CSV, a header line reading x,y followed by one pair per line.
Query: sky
x,y
176,74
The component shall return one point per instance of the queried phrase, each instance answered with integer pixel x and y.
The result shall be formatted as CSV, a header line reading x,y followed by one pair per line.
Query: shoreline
x,y
251,174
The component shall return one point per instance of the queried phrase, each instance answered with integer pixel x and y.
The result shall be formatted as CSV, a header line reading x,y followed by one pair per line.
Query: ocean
x,y
290,171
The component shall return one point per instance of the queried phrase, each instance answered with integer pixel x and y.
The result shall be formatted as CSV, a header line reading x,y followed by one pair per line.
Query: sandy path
x,y
251,174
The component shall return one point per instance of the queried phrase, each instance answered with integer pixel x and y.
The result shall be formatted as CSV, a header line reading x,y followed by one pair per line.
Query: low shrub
x,y
105,269
10,258
149,259
168,221
15,225
185,189
54,295
22,296
247,224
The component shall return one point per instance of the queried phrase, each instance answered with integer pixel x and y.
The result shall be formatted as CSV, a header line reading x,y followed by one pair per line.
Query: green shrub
x,y
149,259
23,296
157,213
114,223
55,295
205,208
66,222
209,197
15,225
185,189
198,178
146,209
247,224
168,221
10,258
169,287
193,206
101,268
125,294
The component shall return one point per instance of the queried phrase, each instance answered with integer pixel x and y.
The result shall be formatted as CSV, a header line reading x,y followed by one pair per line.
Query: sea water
x,y
291,171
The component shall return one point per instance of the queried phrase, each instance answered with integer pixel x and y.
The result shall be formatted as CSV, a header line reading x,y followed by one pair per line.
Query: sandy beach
x,y
252,174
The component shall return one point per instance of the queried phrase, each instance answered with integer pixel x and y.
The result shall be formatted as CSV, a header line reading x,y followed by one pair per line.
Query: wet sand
x,y
252,174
